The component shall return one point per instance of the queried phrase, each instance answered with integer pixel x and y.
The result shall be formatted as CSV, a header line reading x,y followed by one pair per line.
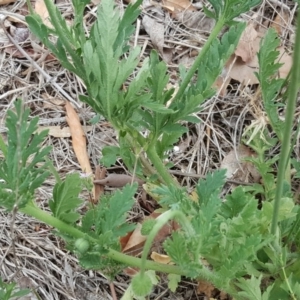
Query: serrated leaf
x,y
111,212
270,85
110,154
66,199
94,261
157,107
141,285
234,8
102,52
174,279
250,288
209,186
24,168
235,203
21,293
185,259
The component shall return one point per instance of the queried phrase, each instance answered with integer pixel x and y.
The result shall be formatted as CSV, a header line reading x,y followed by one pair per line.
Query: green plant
x,y
249,249
9,291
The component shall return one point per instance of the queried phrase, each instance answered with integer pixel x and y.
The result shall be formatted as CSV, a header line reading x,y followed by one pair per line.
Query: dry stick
x,y
113,291
12,245
46,76
13,240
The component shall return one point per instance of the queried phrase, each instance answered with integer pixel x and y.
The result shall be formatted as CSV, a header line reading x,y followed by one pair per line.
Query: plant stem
x,y
286,278
289,118
160,222
214,34
128,260
160,167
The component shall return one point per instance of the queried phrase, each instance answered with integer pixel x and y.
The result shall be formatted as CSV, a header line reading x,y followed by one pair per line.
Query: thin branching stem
x,y
289,118
214,34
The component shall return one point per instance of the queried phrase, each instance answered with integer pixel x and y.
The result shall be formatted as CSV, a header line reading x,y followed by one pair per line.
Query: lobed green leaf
x,y
24,168
66,199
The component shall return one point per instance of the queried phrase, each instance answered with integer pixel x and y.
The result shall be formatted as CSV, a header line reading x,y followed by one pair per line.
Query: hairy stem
x,y
289,118
160,168
46,218
162,220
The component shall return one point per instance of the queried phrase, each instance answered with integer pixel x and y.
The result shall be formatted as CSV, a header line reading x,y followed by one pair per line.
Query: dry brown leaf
x,y
223,295
156,33
134,245
241,72
59,132
41,10
196,20
135,242
118,180
243,66
3,2
131,271
287,62
52,102
221,84
238,168
165,231
161,258
78,138
20,35
175,6
98,188
205,287
281,22
248,45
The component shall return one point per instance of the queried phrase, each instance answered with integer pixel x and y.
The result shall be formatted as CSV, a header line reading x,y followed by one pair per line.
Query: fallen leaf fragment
x,y
248,46
52,102
178,5
281,21
99,188
205,287
134,245
241,72
161,258
78,138
238,168
41,10
287,62
196,20
156,33
165,231
58,132
3,2
244,63
118,180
